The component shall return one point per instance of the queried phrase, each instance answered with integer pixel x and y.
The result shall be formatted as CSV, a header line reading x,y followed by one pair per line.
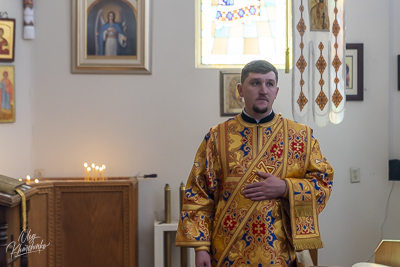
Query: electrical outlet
x,y
39,173
355,175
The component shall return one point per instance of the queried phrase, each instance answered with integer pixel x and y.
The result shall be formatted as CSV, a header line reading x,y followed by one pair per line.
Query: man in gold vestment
x,y
257,185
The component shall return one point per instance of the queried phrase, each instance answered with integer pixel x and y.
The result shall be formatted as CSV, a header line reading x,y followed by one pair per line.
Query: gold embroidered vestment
x,y
242,232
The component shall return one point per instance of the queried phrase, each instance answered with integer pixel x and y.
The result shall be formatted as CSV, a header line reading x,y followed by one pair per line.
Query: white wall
x,y
393,220
16,138
154,123
394,94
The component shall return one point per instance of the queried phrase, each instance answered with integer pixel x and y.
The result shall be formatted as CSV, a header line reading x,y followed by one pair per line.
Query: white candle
x,y
85,165
88,169
104,169
97,172
93,166
101,173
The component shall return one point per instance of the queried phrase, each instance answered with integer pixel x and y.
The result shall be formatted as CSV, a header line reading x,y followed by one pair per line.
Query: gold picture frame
x,y
7,40
7,92
111,36
231,103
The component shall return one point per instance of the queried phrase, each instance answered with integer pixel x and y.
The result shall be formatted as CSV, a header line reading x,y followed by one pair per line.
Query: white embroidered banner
x,y
29,29
318,83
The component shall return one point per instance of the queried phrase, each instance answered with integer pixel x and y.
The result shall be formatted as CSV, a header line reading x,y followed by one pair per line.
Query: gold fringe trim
x,y
308,244
23,203
303,211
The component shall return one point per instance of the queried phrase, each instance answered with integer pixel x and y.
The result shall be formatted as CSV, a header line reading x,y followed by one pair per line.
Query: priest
x,y
257,184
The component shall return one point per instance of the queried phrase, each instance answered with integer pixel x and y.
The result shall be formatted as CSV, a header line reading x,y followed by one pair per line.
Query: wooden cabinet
x,y
86,223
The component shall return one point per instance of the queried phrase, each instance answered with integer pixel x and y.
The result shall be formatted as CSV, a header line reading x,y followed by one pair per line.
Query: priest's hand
x,y
203,259
270,187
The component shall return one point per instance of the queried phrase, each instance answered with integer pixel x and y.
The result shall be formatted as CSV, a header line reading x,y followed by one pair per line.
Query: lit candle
x,y
104,169
36,181
28,179
88,169
93,166
101,173
85,165
20,179
97,172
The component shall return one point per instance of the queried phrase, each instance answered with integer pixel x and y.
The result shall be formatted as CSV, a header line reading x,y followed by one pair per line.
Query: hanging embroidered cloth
x,y
318,84
29,29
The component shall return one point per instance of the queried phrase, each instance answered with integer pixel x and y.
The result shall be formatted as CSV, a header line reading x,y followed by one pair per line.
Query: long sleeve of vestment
x,y
320,174
308,196
195,225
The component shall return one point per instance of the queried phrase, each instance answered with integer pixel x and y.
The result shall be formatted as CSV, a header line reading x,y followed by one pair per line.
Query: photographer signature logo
x,y
27,243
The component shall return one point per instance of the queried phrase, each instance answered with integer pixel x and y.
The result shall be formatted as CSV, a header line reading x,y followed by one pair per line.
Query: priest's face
x,y
259,91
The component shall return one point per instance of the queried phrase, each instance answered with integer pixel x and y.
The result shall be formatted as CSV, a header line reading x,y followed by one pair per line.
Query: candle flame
x,y
28,177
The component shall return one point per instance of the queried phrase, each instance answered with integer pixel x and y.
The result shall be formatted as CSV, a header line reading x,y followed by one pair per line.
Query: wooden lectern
x,y
11,228
86,223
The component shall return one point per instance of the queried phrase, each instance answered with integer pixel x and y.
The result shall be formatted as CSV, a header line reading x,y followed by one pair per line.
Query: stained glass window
x,y
234,32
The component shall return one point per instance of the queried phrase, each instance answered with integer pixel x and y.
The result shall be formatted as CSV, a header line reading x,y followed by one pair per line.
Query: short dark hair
x,y
257,66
